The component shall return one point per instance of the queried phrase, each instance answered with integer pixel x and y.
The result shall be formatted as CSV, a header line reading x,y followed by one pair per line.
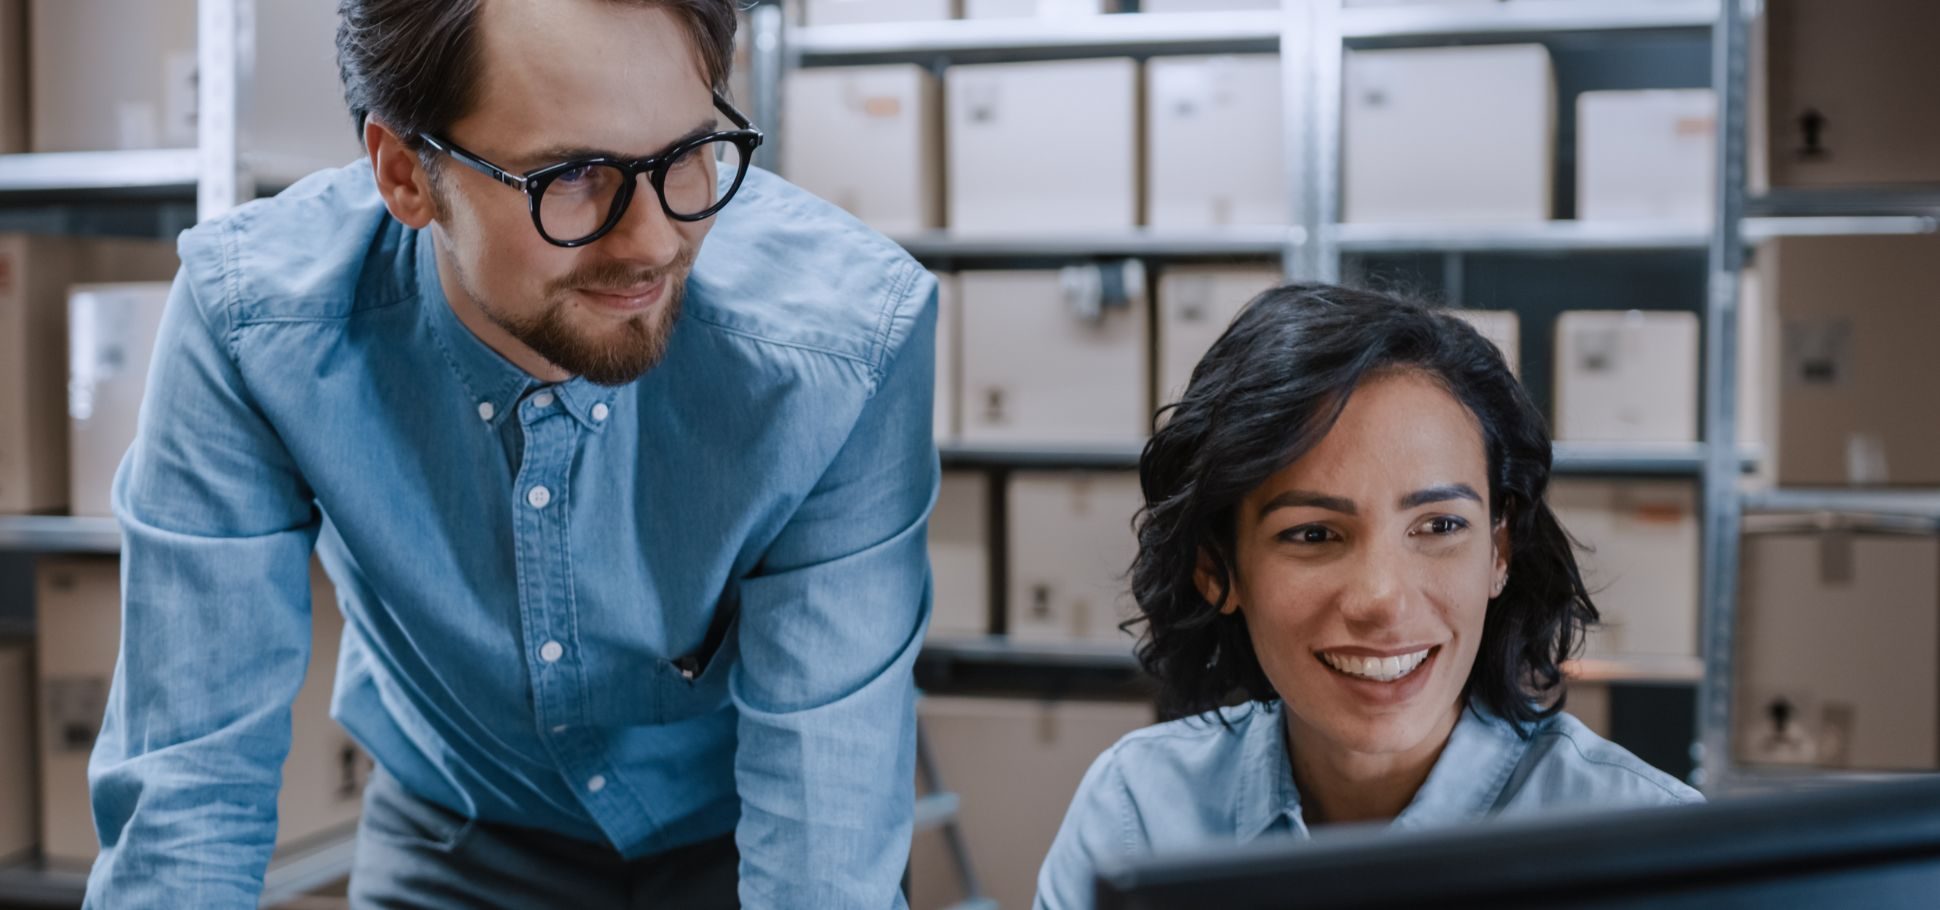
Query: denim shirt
x,y
1192,783
644,615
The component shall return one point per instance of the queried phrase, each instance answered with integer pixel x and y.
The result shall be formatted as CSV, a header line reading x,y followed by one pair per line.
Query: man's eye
x,y
576,175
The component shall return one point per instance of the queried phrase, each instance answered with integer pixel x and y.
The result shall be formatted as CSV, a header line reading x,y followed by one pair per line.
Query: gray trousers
x,y
413,855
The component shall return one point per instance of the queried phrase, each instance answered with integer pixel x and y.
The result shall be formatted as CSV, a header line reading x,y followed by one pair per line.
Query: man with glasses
x,y
627,530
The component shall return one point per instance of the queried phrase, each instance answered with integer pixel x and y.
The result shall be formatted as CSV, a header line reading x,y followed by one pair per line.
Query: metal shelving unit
x,y
218,174
982,40
1579,459
1262,242
1523,17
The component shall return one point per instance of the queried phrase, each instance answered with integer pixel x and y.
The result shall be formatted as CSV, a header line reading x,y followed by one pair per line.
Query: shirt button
x,y
551,651
539,497
599,413
597,784
485,411
542,400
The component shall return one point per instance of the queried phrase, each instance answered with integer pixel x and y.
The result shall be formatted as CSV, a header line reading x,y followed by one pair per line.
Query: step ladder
x,y
937,809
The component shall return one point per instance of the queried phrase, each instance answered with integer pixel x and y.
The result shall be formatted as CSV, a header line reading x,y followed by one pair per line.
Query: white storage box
x,y
1642,563
1024,158
1038,370
1215,129
1648,155
1196,304
1627,377
1448,134
1071,545
111,340
869,139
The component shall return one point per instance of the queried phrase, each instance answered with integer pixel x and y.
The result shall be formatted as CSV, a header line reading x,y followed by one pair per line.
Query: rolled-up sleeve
x,y
830,629
215,639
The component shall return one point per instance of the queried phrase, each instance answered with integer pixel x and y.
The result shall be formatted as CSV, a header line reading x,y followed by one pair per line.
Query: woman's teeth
x,y
1379,669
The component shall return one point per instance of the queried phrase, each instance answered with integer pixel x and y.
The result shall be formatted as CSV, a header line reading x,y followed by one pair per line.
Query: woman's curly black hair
x,y
1268,391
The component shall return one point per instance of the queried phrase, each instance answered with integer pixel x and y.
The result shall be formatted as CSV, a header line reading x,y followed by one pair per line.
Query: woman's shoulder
x,y
1566,764
1195,745
1176,783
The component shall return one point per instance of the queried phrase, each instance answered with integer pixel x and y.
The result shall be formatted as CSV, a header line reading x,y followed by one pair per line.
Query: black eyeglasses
x,y
577,202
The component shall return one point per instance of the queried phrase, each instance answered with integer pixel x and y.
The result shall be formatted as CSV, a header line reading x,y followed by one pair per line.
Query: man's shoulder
x,y
781,266
322,249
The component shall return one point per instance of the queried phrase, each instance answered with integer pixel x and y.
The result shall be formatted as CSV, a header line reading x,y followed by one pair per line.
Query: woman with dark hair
x,y
1344,528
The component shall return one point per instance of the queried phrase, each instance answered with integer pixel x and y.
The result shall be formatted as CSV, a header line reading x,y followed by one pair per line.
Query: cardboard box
x,y
79,633
13,77
1216,156
1627,377
949,357
1852,101
1647,155
1015,764
1839,651
1641,561
35,273
869,139
1024,158
1589,702
1070,547
19,802
121,74
1857,320
1039,370
111,340
960,556
1448,134
1036,9
1503,328
1196,304
855,12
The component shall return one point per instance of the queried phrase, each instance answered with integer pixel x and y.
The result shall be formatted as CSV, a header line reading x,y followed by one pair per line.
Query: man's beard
x,y
624,352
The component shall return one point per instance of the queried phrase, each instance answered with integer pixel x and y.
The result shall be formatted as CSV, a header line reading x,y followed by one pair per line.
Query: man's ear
x,y
1206,580
401,178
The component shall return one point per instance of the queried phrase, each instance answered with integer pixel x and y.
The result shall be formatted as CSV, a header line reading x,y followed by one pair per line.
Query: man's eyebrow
x,y
1293,499
559,153
1443,493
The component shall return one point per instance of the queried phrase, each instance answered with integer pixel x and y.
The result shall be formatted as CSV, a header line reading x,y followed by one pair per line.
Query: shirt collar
x,y
1482,753
495,385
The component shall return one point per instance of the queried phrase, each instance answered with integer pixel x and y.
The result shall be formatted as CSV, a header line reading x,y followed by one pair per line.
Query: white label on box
x,y
1818,352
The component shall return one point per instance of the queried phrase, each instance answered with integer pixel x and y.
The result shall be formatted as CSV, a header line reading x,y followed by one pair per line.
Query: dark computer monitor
x,y
1872,845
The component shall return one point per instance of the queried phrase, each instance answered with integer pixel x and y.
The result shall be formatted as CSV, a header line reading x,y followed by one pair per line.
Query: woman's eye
x,y
1308,534
1443,526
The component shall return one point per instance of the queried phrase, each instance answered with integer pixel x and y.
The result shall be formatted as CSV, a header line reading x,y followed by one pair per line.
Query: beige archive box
x,y
1857,318
1626,376
1214,134
856,12
1641,562
1448,134
1839,650
1039,370
1646,155
1036,9
19,802
79,602
35,273
13,76
111,331
1015,764
1503,328
121,74
1070,547
960,556
1196,304
869,139
949,347
1852,100
1024,158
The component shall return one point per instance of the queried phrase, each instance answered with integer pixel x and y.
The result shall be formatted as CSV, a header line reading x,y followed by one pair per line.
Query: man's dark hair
x,y
413,64
1267,393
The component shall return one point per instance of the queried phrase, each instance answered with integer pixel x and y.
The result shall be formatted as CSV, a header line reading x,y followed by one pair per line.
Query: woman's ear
x,y
1499,543
1205,578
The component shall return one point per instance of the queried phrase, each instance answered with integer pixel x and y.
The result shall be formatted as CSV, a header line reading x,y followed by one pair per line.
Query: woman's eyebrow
x,y
1293,499
1443,493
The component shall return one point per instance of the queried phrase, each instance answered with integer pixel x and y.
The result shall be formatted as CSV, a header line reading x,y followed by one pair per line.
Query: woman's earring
x,y
1501,581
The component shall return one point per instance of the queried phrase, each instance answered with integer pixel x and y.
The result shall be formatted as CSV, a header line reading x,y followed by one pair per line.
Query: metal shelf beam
x,y
923,42
1593,459
94,172
1561,236
1523,17
59,534
1910,503
1158,243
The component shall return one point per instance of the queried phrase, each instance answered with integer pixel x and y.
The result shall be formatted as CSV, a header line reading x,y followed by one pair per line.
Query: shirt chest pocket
x,y
696,683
